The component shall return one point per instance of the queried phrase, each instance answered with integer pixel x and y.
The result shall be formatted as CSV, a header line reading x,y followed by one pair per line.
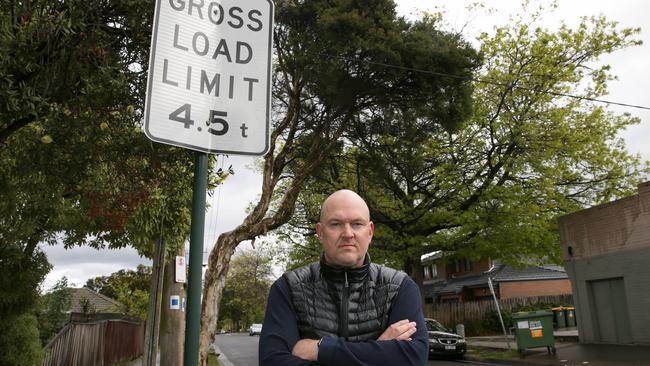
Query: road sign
x,y
209,86
180,272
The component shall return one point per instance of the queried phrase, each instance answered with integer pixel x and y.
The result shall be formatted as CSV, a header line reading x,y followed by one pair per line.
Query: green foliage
x,y
495,187
20,277
247,286
54,310
130,288
87,307
487,325
433,100
140,279
75,165
19,341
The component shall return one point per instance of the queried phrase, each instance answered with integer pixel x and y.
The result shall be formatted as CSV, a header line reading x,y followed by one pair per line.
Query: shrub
x,y
19,341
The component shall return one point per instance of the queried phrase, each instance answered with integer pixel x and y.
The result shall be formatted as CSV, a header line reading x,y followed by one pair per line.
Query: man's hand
x,y
307,349
401,331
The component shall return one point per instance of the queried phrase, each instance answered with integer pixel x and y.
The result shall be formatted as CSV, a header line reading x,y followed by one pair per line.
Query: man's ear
x,y
372,229
318,230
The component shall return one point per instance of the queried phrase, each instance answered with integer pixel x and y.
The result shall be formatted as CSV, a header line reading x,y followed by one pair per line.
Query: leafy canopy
x,y
495,187
130,288
244,297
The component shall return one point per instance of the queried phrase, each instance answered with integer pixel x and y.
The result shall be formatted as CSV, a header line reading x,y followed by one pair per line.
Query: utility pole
x,y
172,319
153,316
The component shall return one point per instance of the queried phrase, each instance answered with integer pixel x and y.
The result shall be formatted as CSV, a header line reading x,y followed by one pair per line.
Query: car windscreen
x,y
434,326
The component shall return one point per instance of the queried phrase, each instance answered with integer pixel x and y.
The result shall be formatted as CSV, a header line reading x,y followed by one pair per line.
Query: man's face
x,y
345,230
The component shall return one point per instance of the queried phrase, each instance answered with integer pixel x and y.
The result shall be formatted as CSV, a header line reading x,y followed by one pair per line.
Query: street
x,y
240,349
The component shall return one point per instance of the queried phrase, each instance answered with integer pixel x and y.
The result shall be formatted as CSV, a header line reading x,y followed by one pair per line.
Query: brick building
x,y
462,280
606,250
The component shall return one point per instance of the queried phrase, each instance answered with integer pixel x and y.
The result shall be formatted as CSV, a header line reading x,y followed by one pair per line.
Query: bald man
x,y
344,310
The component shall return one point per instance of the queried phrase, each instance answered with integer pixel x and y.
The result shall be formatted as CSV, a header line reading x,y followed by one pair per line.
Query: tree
x,y
130,288
321,87
244,296
75,166
54,309
19,344
496,186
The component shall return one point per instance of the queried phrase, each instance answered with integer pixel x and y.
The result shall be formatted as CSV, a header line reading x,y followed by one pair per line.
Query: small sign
x,y
175,302
522,324
536,333
180,269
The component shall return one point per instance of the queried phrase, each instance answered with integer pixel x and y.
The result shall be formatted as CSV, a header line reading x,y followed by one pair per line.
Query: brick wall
x,y
442,269
607,242
510,290
609,228
448,269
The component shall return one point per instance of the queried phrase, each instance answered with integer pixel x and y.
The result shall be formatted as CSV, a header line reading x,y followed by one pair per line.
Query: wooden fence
x,y
97,340
451,314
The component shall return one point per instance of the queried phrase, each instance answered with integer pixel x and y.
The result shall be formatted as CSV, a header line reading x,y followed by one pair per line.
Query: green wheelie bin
x,y
559,317
534,329
570,315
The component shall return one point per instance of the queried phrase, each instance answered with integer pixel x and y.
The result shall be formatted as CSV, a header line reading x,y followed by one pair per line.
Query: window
x,y
430,271
468,265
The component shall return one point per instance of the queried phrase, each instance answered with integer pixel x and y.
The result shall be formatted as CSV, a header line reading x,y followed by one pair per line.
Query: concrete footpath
x,y
569,352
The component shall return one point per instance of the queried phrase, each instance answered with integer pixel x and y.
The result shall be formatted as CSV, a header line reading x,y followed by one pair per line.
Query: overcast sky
x,y
230,203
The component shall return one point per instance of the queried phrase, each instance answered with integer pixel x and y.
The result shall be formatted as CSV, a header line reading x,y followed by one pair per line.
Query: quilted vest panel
x,y
326,307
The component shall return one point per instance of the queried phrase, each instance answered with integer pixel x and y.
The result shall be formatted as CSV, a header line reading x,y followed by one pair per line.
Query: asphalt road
x,y
240,349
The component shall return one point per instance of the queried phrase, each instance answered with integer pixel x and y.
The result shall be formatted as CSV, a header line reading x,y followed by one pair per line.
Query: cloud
x,y
79,264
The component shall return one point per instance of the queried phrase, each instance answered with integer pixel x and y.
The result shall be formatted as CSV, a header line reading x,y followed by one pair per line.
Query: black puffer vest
x,y
342,302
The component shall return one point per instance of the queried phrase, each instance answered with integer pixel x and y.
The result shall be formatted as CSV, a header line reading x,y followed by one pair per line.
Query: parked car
x,y
443,341
255,329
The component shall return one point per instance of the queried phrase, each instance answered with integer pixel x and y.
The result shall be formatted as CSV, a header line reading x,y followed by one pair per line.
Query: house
x,y
462,280
85,300
606,251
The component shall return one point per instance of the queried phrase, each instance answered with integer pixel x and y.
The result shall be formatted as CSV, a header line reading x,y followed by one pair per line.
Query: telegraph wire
x,y
483,81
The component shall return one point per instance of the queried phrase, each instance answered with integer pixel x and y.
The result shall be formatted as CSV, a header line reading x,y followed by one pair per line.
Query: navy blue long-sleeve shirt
x,y
280,334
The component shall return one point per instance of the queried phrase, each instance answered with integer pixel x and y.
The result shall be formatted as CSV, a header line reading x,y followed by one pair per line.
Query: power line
x,y
483,81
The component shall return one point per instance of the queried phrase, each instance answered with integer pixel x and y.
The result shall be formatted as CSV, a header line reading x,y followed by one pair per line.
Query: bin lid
x,y
531,314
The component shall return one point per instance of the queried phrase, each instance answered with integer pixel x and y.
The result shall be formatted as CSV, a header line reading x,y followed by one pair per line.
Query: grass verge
x,y
212,360
491,353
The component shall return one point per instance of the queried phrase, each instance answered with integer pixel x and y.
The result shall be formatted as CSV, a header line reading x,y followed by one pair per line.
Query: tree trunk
x,y
213,283
413,267
172,322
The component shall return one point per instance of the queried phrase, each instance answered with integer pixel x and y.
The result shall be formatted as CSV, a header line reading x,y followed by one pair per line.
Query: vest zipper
x,y
343,318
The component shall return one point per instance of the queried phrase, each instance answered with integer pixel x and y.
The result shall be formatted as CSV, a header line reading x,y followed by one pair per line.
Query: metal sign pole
x,y
193,317
496,302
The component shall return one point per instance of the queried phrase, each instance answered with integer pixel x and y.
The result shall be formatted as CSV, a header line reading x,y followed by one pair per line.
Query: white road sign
x,y
209,86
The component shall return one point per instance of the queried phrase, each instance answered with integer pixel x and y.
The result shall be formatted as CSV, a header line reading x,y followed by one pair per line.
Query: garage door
x,y
609,309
